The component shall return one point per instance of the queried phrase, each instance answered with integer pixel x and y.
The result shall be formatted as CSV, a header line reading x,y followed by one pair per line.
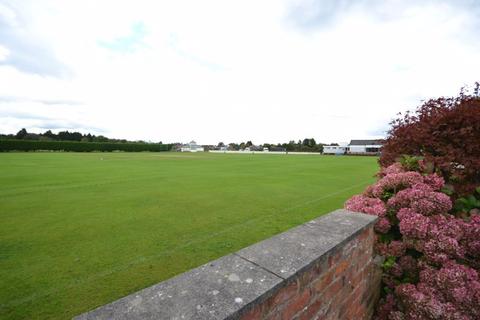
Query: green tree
x,y
49,134
21,134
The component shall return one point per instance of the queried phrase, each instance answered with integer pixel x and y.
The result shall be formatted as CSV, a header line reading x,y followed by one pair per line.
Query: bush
x,y
32,145
446,133
432,257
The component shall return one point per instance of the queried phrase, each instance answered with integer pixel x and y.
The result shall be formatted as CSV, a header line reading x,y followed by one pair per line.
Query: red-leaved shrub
x,y
446,133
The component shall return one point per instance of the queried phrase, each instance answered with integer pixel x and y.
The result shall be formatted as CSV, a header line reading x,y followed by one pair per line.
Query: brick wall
x,y
323,269
343,285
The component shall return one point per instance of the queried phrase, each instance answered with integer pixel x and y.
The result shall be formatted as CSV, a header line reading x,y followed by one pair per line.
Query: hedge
x,y
34,145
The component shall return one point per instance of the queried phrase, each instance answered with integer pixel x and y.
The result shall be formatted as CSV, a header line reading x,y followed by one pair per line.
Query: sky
x,y
230,71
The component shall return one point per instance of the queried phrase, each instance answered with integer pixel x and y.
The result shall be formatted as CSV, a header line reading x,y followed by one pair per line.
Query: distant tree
x,y
100,139
62,135
31,136
21,134
220,145
249,143
233,146
49,134
76,136
290,146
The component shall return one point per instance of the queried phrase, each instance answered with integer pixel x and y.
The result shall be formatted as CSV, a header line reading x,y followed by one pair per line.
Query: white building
x,y
192,147
341,149
371,147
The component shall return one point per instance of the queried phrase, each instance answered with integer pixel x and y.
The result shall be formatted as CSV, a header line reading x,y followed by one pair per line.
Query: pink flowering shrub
x,y
393,182
394,168
422,199
434,181
472,238
431,257
360,203
451,292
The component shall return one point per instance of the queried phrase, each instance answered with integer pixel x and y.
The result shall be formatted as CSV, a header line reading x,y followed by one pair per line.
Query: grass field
x,y
79,230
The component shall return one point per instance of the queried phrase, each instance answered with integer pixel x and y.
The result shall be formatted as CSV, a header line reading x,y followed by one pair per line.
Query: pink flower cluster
x,y
394,168
412,224
422,199
394,248
439,237
434,181
394,182
373,206
383,225
360,203
472,237
452,292
430,255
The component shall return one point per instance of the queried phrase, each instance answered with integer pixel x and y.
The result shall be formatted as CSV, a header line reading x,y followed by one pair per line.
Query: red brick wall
x,y
342,285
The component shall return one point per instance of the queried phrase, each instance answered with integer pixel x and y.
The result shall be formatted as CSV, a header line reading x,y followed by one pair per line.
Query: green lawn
x,y
79,230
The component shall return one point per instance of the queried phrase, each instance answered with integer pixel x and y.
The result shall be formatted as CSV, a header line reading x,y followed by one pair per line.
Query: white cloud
x,y
4,52
233,71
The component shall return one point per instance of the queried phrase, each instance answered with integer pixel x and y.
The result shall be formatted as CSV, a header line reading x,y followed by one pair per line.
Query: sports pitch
x,y
79,230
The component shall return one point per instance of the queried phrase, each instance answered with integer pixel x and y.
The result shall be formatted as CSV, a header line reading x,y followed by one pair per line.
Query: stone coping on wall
x,y
232,285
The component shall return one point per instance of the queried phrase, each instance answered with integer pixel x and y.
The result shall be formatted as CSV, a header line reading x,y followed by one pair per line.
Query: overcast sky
x,y
266,71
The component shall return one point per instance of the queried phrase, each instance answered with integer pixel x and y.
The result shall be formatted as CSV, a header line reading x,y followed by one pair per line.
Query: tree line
x,y
102,143
64,136
305,145
73,141
79,146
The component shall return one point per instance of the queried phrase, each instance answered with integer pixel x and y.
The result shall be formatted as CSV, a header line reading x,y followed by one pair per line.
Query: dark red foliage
x,y
446,132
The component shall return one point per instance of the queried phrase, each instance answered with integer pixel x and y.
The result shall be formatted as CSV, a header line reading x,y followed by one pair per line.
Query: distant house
x,y
371,147
192,147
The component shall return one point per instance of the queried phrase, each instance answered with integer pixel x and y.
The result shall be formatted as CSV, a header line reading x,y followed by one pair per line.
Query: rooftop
x,y
366,142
